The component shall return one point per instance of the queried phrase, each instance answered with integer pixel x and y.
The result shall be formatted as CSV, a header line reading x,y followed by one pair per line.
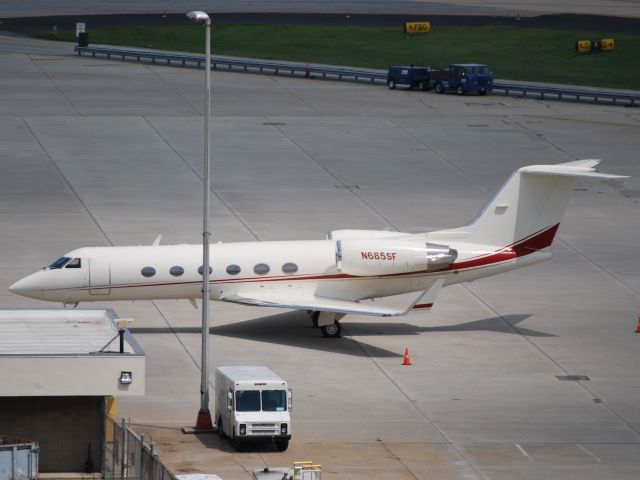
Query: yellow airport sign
x,y
412,28
591,46
583,46
607,44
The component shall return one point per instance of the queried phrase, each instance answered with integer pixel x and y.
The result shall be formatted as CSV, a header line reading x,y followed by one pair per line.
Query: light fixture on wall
x,y
126,378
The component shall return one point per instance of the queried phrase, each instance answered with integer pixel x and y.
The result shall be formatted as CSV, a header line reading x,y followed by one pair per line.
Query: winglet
x,y
156,242
427,298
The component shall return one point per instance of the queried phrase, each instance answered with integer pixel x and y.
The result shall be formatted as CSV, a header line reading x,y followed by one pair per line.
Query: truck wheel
x,y
391,84
282,445
237,444
221,433
482,92
460,90
439,88
333,330
422,86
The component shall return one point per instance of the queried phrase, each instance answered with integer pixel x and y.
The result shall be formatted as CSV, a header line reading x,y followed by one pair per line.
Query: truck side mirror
x,y
229,401
290,399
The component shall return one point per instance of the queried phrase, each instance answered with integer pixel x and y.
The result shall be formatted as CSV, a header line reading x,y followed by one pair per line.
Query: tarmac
x,y
99,152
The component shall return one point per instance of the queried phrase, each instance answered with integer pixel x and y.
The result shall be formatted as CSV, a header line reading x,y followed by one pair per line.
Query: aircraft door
x,y
99,275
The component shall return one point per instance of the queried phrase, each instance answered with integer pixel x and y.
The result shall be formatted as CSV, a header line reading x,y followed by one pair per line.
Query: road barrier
x,y
518,90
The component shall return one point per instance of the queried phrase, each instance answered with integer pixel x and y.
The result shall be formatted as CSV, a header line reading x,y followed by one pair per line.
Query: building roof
x,y
59,332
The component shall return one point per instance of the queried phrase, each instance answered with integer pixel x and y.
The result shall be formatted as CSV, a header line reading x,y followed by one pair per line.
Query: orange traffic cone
x,y
638,327
407,360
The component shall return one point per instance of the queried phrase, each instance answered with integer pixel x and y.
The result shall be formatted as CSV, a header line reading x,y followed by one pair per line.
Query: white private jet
x,y
333,277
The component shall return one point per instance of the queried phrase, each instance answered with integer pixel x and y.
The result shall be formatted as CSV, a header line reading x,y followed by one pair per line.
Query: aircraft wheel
x,y
333,330
314,319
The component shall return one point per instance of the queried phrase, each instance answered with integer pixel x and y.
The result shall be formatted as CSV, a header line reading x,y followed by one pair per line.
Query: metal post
x,y
123,454
121,334
203,421
141,468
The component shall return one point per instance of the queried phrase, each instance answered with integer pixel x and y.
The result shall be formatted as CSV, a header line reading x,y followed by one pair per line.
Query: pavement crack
x,y
336,178
53,82
174,90
449,441
550,359
439,154
197,174
67,182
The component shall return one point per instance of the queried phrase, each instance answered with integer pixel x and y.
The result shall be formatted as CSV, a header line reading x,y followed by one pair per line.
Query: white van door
x,y
99,275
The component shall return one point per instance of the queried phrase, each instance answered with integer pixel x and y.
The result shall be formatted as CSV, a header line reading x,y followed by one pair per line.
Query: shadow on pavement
x,y
294,329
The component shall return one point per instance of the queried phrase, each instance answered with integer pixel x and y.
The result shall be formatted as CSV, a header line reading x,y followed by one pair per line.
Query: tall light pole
x,y
203,421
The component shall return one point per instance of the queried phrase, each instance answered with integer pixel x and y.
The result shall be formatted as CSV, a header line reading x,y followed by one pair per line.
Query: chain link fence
x,y
128,457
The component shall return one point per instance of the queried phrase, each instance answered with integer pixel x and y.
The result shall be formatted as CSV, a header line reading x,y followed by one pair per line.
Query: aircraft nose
x,y
25,287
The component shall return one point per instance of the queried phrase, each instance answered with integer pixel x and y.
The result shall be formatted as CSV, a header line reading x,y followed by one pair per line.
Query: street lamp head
x,y
199,17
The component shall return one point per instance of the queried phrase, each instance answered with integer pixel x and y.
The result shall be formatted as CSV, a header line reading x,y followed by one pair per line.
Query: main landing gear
x,y
328,322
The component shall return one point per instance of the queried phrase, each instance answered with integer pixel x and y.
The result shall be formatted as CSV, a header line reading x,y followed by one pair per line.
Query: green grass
x,y
513,53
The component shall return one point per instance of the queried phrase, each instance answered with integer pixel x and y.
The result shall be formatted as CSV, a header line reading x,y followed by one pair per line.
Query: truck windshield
x,y
478,69
247,401
274,400
252,400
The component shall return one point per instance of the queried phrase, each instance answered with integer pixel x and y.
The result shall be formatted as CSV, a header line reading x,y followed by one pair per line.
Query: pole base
x,y
203,422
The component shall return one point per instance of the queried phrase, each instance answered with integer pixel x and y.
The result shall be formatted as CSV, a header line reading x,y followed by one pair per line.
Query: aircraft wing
x,y
326,304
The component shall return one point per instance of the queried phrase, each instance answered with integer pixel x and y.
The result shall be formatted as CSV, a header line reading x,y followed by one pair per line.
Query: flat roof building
x,y
60,370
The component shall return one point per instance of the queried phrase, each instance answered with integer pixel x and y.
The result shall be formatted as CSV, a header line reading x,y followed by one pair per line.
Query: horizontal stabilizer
x,y
577,168
325,304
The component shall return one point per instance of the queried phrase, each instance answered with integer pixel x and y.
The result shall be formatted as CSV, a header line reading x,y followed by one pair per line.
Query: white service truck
x,y
252,404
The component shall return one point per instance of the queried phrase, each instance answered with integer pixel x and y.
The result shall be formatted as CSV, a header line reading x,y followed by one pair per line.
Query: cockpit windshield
x,y
65,262
59,263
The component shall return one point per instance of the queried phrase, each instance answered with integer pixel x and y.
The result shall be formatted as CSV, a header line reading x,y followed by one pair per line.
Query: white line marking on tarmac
x,y
589,452
525,453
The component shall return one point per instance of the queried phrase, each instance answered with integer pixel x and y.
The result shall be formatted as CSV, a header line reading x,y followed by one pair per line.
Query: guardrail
x,y
239,64
562,93
351,74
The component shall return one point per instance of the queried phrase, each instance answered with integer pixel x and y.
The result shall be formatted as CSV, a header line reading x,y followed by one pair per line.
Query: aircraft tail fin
x,y
530,204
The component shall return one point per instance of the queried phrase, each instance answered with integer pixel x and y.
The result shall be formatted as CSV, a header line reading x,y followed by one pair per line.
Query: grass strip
x,y
525,54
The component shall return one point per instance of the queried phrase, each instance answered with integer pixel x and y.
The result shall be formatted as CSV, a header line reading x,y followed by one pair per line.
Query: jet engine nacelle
x,y
380,256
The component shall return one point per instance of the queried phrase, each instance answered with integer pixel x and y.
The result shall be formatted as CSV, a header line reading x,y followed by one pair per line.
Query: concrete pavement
x,y
97,152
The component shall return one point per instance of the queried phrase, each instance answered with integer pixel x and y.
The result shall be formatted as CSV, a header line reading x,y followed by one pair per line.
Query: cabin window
x,y
261,269
148,272
176,271
289,267
233,269
201,270
59,263
75,263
